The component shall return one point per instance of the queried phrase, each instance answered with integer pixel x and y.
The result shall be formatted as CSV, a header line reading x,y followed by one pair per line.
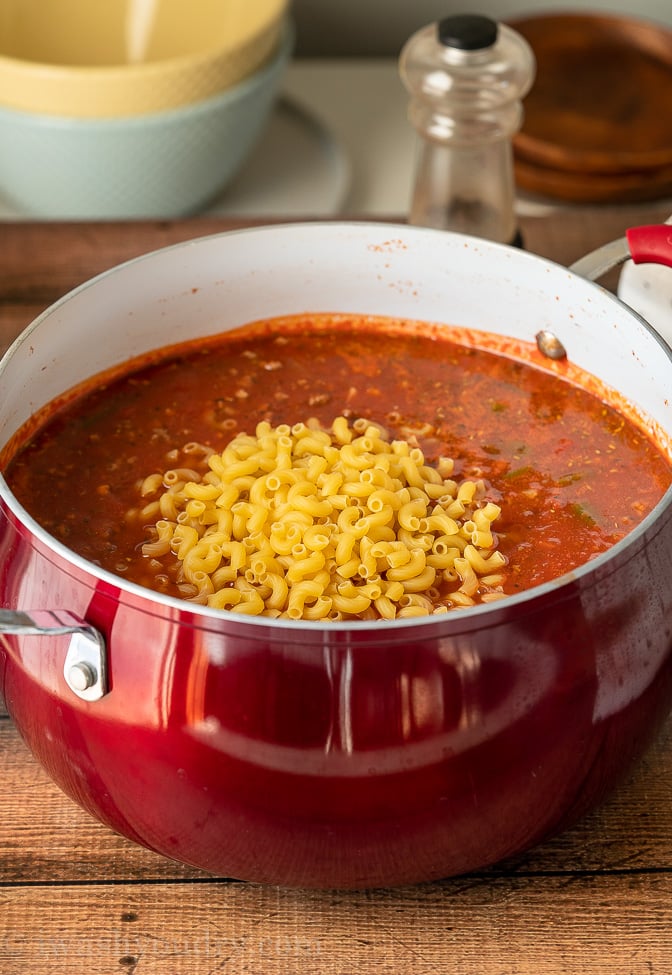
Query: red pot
x,y
348,754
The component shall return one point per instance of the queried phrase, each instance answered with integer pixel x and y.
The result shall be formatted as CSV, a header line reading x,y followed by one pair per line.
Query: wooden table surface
x,y
76,898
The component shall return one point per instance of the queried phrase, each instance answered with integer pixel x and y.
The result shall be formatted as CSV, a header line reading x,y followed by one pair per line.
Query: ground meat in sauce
x,y
571,474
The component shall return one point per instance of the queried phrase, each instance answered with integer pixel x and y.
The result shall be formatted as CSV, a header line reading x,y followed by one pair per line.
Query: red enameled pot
x,y
344,754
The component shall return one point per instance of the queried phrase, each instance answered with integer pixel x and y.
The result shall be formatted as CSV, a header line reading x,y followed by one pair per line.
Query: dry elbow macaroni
x,y
307,523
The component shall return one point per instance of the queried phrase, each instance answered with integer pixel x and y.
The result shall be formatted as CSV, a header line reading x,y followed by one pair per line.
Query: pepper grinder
x,y
467,76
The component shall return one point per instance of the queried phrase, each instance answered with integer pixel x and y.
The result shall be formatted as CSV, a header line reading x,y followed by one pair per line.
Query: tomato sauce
x,y
572,474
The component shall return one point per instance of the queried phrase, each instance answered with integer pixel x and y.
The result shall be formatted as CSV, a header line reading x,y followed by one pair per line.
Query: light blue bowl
x,y
166,164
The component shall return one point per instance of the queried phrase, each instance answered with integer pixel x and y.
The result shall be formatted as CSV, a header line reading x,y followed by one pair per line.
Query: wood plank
x,y
41,261
63,843
630,832
566,234
523,926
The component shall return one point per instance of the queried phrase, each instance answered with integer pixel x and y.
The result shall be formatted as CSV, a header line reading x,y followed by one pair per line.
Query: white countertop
x,y
362,104
338,141
352,148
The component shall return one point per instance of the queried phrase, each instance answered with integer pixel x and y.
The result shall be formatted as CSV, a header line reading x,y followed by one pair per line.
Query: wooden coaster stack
x,y
598,119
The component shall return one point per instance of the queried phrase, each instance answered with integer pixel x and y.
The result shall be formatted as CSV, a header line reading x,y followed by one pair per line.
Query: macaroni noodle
x,y
308,523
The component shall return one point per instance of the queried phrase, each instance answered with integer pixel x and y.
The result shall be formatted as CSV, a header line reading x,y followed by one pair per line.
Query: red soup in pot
x,y
333,467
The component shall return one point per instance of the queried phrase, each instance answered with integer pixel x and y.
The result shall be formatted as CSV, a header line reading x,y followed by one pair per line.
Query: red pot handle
x,y
650,244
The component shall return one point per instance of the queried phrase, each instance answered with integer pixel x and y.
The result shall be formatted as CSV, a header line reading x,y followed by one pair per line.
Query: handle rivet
x,y
82,676
550,345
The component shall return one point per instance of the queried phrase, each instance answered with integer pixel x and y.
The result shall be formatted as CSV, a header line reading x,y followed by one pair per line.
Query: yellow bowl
x,y
82,59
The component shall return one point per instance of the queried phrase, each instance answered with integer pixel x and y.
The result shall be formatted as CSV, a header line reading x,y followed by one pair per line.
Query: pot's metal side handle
x,y
650,244
85,666
599,261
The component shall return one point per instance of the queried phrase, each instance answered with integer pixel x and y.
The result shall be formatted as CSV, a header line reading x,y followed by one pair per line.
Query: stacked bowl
x,y
133,108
